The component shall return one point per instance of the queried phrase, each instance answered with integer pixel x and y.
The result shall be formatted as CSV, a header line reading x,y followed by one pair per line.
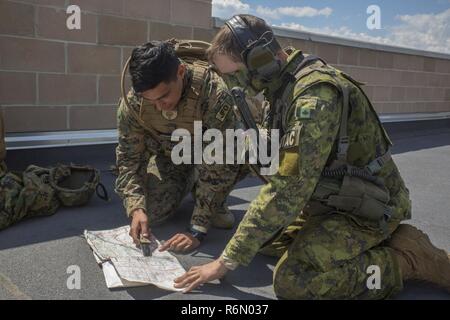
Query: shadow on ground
x,y
52,235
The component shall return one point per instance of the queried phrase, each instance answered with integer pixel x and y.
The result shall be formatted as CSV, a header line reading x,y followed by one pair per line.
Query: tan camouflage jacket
x,y
136,146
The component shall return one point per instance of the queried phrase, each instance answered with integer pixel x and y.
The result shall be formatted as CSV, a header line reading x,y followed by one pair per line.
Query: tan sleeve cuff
x,y
134,203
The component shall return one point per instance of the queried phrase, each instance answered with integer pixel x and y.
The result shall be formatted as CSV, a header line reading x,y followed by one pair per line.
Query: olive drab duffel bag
x,y
41,191
26,194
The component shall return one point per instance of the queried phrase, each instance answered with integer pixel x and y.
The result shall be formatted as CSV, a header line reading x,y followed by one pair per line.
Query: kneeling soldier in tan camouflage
x,y
171,88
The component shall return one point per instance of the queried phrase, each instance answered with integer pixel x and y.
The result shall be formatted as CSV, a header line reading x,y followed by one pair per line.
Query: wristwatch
x,y
200,236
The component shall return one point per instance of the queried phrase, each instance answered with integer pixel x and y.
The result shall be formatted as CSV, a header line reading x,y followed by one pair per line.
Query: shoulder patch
x,y
290,138
223,111
288,163
305,108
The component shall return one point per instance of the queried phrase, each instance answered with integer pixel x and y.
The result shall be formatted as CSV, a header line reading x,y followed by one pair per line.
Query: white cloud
x,y
297,12
429,32
267,13
300,12
423,31
227,8
342,32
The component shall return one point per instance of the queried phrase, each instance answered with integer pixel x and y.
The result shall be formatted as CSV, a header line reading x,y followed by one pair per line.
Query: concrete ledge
x,y
316,37
37,140
407,117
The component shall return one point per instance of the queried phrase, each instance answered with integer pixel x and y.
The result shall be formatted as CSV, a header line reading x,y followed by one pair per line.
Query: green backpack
x,y
42,191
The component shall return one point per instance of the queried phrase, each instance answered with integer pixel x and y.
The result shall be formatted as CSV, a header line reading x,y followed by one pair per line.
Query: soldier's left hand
x,y
200,275
181,242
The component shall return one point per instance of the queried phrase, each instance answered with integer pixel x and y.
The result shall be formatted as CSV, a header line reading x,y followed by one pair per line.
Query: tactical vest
x,y
188,110
160,125
342,187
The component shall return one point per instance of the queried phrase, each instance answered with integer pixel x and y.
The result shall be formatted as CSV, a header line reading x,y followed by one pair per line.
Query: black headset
x,y
258,54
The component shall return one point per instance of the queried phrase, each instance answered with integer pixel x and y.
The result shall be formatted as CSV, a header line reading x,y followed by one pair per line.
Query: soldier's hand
x,y
181,242
196,276
139,226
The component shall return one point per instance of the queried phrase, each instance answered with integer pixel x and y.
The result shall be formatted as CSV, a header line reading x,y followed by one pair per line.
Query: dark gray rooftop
x,y
35,254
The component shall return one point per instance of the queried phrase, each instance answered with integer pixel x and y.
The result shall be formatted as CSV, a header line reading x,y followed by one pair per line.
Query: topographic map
x,y
124,265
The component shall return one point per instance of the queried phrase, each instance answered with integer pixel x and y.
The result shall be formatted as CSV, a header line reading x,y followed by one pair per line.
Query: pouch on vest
x,y
353,195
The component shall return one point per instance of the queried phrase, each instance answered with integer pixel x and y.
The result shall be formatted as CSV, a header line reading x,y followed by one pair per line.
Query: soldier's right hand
x,y
139,226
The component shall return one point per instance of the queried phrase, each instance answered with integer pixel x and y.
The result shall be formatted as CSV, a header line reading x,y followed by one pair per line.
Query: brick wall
x,y
395,82
53,79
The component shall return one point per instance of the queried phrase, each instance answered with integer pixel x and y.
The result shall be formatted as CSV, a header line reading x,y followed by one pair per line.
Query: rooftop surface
x,y
35,254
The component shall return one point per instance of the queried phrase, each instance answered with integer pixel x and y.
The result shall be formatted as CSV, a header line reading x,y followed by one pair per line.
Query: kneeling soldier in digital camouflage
x,y
332,212
172,86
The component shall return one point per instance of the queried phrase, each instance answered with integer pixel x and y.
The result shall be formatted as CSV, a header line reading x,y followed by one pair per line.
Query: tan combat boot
x,y
418,258
222,218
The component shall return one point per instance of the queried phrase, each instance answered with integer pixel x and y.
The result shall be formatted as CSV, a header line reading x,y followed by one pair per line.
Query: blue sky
x,y
421,24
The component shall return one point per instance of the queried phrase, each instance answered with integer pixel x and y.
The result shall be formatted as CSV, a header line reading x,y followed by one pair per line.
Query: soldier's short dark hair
x,y
151,64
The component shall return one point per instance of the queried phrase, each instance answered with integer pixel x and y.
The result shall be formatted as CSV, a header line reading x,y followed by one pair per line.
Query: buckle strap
x,y
199,235
343,141
307,61
377,164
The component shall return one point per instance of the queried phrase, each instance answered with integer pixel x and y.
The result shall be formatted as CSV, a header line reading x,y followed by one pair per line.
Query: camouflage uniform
x,y
148,179
27,194
323,255
39,191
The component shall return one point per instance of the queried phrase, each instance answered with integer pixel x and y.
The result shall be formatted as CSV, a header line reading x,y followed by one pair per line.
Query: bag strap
x,y
103,194
288,82
375,166
343,140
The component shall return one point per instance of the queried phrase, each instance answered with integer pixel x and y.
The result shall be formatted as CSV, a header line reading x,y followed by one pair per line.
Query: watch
x,y
200,236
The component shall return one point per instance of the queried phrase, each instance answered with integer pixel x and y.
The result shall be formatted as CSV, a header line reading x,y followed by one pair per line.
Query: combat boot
x,y
418,258
222,218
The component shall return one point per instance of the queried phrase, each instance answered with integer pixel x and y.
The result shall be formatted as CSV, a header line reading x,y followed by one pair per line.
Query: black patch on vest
x,y
290,138
223,112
